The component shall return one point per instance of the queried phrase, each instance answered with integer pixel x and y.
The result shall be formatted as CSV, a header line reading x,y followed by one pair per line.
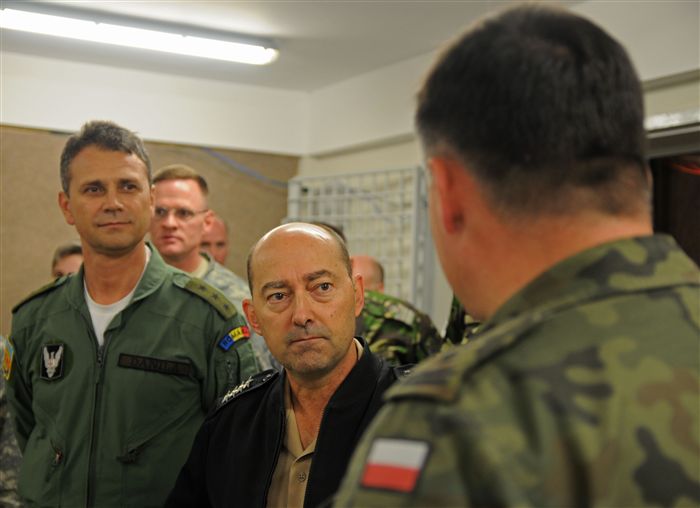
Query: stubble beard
x,y
313,360
114,247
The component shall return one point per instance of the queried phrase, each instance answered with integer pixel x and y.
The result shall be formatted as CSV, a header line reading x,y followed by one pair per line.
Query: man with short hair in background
x,y
371,270
394,328
582,386
215,239
180,218
66,259
111,371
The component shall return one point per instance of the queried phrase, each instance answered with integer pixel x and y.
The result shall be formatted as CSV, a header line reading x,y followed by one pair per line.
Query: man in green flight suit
x,y
394,329
112,370
582,386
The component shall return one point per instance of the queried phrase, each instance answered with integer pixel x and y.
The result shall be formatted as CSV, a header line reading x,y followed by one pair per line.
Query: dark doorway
x,y
677,200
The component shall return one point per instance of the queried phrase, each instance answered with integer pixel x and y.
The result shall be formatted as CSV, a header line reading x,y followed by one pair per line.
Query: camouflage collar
x,y
621,266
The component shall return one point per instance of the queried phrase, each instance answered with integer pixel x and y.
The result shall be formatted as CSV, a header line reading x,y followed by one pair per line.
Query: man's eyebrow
x,y
309,277
91,183
275,284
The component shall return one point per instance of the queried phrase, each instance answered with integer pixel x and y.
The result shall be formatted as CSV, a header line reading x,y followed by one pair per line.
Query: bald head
x,y
215,240
281,235
305,301
370,269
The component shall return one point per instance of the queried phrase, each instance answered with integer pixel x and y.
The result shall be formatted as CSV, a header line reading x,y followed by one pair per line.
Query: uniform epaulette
x,y
400,312
250,384
441,376
44,289
434,378
212,295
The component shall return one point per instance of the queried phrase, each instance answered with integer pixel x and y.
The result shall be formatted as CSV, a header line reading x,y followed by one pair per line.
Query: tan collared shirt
x,y
288,487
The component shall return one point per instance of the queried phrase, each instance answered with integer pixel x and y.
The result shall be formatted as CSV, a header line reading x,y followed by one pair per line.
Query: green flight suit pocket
x,y
40,476
167,443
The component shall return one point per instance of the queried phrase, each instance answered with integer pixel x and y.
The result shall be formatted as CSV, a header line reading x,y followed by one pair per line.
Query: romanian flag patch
x,y
395,464
241,332
8,354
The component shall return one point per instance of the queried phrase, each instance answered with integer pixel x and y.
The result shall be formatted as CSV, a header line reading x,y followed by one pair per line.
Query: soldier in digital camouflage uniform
x,y
393,328
582,387
181,217
396,330
10,456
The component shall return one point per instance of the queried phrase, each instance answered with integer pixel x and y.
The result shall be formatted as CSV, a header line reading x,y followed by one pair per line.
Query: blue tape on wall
x,y
241,168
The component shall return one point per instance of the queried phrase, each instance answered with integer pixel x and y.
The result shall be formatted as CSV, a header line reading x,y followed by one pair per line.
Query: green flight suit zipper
x,y
95,428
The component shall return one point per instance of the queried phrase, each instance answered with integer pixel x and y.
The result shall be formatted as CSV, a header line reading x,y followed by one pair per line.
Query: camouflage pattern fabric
x,y
10,456
236,290
395,330
461,327
582,390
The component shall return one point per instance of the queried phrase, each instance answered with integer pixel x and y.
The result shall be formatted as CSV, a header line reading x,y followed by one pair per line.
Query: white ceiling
x,y
320,42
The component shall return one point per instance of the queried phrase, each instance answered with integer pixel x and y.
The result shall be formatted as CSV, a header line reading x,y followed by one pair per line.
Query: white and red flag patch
x,y
394,464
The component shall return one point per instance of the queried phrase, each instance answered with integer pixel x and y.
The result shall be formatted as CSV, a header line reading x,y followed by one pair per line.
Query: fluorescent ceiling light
x,y
122,35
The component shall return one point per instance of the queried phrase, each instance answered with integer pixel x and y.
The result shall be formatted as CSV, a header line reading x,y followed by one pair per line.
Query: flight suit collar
x,y
154,276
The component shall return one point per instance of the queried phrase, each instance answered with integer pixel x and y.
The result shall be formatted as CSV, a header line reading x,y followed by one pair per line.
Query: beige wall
x,y
673,94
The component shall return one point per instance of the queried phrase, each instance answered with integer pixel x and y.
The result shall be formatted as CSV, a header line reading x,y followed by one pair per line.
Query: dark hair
x,y
342,246
181,172
62,251
536,102
106,135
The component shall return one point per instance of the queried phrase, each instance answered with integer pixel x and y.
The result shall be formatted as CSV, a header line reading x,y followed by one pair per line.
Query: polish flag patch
x,y
394,464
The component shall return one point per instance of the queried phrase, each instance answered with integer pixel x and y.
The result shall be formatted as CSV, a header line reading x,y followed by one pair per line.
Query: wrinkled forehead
x,y
95,162
184,191
292,250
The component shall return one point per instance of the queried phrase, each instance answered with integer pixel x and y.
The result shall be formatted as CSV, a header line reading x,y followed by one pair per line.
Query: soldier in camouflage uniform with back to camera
x,y
112,370
582,388
393,328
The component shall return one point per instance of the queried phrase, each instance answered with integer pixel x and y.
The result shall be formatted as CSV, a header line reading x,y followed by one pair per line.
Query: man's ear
x,y
447,180
208,221
152,195
250,314
64,205
359,286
